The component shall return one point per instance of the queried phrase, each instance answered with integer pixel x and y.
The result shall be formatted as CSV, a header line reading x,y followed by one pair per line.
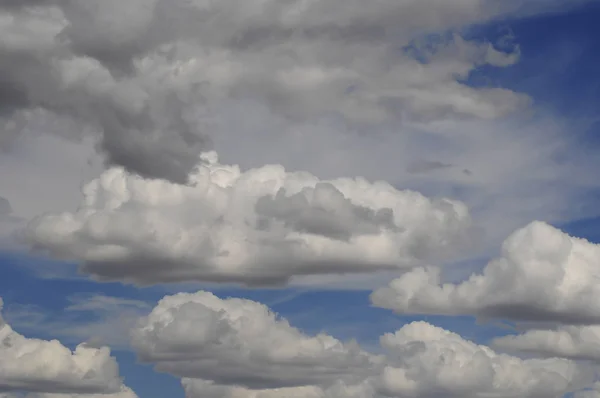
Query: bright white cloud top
x,y
234,348
42,367
260,226
542,275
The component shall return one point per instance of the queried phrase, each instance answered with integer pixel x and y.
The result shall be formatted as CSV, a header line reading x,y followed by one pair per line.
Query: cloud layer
x,y
542,275
41,366
230,348
145,75
575,342
260,226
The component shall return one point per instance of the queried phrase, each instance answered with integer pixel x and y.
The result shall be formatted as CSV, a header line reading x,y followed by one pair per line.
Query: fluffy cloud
x,y
230,348
201,336
146,74
542,275
41,366
575,342
261,226
426,361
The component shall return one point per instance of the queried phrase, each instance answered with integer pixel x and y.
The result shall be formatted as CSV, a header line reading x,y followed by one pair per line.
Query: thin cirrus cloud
x,y
261,226
239,348
48,367
543,274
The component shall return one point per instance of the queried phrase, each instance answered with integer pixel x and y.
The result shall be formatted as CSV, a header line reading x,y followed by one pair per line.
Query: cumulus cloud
x,y
260,226
146,75
202,336
575,342
542,275
230,348
40,366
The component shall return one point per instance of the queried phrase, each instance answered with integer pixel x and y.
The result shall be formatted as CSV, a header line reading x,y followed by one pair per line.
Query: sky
x,y
299,199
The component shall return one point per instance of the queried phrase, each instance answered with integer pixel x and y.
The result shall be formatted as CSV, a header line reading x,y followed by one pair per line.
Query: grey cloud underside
x,y
157,271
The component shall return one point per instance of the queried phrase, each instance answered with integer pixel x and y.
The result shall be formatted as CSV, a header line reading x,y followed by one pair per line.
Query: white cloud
x,y
42,366
260,226
542,275
200,335
575,342
230,348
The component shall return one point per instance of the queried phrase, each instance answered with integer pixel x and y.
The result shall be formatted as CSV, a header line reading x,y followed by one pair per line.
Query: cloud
x,y
199,335
261,226
230,348
589,393
575,342
41,366
542,275
146,76
317,86
124,393
94,318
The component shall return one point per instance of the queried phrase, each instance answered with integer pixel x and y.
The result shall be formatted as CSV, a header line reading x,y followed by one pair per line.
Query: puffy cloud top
x,y
234,348
543,275
200,335
260,226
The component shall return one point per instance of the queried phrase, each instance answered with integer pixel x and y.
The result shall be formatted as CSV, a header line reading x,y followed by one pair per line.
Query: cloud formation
x,y
542,275
230,348
575,342
202,336
41,366
261,226
145,76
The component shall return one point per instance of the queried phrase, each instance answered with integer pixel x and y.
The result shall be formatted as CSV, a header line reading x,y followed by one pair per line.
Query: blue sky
x,y
558,69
